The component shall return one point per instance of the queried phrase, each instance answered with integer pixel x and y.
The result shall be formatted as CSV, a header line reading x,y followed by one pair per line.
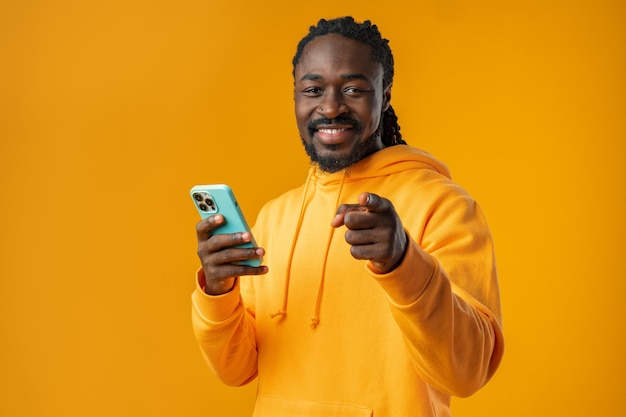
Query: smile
x,y
329,131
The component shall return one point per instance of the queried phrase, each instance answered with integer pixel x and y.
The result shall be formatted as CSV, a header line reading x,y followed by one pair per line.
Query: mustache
x,y
341,120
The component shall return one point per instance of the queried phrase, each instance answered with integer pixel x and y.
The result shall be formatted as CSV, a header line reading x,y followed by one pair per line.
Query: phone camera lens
x,y
210,203
197,197
203,207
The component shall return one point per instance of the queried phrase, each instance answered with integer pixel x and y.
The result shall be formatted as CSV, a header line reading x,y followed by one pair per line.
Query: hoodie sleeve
x,y
225,331
445,298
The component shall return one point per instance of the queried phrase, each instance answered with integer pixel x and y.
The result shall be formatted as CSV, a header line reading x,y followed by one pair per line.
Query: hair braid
x,y
391,129
368,34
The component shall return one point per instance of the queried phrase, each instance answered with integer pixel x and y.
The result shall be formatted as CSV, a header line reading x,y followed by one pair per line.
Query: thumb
x,y
337,220
374,202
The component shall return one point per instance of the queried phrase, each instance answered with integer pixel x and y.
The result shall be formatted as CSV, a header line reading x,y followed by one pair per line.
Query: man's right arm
x,y
223,327
226,334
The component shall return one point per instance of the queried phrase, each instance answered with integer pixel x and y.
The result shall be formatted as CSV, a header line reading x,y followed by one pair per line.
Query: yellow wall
x,y
111,111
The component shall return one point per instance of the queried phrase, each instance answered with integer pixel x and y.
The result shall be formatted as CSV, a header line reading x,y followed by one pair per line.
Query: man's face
x,y
339,101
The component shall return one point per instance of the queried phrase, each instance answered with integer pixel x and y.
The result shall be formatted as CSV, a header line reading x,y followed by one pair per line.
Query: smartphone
x,y
219,198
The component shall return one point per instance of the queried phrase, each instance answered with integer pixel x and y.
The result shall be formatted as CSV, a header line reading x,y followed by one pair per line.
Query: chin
x,y
333,161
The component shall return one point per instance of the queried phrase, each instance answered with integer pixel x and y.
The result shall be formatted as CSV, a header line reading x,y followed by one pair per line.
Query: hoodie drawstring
x,y
315,320
282,312
283,309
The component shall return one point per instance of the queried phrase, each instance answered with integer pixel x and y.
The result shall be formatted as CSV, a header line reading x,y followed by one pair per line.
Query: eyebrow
x,y
356,76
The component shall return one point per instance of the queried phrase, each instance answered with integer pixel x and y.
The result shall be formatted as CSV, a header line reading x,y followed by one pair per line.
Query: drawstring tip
x,y
314,322
281,313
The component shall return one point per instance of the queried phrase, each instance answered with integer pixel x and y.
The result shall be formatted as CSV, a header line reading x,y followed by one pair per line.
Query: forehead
x,y
334,53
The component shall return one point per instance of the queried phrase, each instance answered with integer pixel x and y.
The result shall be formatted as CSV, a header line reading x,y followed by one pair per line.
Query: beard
x,y
333,163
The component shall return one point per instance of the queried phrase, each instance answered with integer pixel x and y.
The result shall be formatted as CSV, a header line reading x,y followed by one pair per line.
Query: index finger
x,y
341,212
206,225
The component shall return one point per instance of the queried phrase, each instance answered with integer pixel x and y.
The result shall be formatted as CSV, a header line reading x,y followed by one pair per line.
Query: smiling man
x,y
378,295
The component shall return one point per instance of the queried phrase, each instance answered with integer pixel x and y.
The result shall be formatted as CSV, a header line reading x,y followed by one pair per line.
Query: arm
x,y
455,341
442,292
226,334
223,327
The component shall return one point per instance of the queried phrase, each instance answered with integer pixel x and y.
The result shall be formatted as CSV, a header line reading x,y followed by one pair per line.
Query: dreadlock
x,y
368,34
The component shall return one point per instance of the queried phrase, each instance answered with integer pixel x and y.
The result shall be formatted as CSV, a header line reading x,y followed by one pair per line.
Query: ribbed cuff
x,y
215,308
405,284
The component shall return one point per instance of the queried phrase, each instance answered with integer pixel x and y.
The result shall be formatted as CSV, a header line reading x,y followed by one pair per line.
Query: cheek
x,y
372,116
376,114
303,111
302,121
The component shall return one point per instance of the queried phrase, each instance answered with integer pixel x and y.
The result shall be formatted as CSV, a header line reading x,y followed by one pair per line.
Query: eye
x,y
354,91
312,91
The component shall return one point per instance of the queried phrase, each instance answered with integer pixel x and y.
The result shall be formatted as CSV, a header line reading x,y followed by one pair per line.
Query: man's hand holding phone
x,y
226,246
220,257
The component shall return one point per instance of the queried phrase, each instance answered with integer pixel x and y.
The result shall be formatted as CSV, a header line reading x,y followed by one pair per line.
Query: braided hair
x,y
368,34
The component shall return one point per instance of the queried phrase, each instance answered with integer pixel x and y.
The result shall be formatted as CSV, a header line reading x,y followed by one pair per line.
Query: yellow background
x,y
111,111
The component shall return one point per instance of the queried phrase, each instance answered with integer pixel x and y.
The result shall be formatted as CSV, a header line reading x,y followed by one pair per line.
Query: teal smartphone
x,y
219,199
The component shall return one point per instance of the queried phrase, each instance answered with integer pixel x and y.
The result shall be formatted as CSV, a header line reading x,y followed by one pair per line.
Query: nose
x,y
332,105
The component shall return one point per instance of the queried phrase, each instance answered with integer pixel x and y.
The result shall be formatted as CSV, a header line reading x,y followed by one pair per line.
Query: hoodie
x,y
329,336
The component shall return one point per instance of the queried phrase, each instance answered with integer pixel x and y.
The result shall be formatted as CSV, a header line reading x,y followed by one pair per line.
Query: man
x,y
378,295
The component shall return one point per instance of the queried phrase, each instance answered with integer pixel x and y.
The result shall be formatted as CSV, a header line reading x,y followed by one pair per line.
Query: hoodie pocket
x,y
283,407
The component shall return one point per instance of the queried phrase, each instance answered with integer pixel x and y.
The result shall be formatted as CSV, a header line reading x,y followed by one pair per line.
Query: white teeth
x,y
332,131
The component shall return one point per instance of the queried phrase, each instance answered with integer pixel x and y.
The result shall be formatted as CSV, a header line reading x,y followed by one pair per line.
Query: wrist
x,y
220,287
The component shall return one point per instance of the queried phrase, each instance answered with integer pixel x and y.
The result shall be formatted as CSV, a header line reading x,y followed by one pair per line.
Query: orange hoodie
x,y
328,336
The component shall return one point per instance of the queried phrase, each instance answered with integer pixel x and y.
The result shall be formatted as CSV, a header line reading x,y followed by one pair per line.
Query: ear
x,y
386,98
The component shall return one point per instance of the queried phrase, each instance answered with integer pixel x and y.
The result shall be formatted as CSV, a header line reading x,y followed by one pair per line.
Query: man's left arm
x,y
455,341
443,292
